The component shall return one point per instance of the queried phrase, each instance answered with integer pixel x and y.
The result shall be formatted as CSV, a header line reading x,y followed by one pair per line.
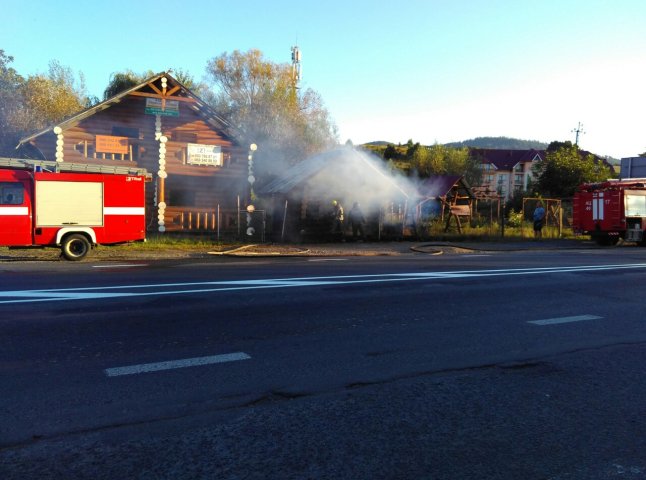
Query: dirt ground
x,y
138,252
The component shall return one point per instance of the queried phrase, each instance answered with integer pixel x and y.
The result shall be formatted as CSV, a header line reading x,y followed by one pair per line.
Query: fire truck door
x,y
15,214
597,206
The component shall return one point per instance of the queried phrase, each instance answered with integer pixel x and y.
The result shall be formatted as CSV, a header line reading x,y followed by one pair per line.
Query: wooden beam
x,y
152,85
172,90
154,95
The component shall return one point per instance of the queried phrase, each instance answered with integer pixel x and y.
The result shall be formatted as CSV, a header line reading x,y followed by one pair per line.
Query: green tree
x,y
260,99
29,104
442,160
122,81
50,98
390,152
10,82
564,168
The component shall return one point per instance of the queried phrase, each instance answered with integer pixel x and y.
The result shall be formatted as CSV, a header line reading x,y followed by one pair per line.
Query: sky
x,y
433,71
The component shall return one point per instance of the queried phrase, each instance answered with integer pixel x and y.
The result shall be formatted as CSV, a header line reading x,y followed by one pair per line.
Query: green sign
x,y
154,107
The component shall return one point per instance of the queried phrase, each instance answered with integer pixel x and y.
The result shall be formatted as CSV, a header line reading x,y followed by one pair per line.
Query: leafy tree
x,y
10,82
28,104
262,102
122,81
50,98
390,152
441,160
564,168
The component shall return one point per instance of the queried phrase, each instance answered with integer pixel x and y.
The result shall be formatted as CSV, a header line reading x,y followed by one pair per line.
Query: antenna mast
x,y
578,130
296,66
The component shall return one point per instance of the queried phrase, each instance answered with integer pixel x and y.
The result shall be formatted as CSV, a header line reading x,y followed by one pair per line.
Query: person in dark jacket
x,y
356,221
539,220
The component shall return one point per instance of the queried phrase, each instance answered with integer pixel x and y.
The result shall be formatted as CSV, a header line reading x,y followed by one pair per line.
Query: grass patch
x,y
177,242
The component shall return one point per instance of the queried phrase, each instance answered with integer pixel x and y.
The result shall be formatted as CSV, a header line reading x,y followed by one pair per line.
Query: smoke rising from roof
x,y
346,175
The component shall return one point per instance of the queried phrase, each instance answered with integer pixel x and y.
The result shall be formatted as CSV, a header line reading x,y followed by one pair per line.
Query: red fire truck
x,y
608,211
72,211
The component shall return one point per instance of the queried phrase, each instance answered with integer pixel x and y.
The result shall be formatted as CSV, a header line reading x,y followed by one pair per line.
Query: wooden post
x,y
161,191
282,235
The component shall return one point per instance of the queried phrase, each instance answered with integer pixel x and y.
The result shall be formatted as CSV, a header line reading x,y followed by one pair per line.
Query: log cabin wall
x,y
189,191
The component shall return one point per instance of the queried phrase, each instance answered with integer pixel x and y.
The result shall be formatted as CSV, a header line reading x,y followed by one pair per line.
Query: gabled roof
x,y
346,165
201,107
439,186
506,159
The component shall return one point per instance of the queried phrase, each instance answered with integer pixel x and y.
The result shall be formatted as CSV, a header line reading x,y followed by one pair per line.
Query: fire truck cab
x,y
611,210
72,211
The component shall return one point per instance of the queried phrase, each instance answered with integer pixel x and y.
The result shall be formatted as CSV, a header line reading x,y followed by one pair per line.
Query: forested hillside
x,y
502,143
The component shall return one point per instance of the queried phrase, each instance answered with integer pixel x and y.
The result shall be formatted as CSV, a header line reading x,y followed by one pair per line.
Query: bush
x,y
515,218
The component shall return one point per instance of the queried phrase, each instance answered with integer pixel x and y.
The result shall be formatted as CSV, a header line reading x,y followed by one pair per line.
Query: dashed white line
x,y
173,364
121,266
556,321
328,260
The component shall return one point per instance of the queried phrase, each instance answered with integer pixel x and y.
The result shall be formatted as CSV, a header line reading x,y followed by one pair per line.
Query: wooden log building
x,y
199,171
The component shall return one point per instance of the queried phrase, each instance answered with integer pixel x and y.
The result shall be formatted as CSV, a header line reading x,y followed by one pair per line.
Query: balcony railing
x,y
192,219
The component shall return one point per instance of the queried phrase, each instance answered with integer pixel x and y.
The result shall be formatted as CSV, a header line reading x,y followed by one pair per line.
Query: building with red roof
x,y
506,171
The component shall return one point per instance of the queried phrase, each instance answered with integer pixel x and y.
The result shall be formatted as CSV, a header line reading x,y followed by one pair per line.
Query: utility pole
x,y
578,130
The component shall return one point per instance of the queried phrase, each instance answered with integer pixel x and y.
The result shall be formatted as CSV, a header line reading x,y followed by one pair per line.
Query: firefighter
x,y
337,219
356,221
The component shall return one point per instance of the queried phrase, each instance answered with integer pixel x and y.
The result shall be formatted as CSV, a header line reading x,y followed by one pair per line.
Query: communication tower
x,y
296,65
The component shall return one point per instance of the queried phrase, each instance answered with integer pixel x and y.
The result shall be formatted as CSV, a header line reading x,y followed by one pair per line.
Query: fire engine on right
x,y
610,210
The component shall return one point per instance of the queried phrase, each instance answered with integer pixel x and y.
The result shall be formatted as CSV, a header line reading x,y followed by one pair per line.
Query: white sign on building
x,y
204,154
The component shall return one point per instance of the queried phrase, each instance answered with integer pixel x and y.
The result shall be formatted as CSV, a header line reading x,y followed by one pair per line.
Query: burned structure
x,y
302,198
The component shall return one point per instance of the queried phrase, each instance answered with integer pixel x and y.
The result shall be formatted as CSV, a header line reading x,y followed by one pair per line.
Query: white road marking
x,y
173,364
164,289
555,321
328,260
120,266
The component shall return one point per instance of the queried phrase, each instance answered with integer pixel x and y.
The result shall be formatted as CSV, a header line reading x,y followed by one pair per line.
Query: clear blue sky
x,y
433,71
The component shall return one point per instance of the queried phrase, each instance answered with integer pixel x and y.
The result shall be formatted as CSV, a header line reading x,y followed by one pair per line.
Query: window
x,y
125,132
12,193
518,178
185,137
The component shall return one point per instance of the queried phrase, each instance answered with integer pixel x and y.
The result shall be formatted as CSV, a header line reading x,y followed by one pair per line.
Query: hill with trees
x,y
500,143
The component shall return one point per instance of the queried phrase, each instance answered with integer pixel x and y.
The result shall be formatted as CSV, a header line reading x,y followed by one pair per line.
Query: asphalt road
x,y
505,365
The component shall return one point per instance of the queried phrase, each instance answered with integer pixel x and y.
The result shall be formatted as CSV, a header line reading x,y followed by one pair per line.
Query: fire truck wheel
x,y
75,246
